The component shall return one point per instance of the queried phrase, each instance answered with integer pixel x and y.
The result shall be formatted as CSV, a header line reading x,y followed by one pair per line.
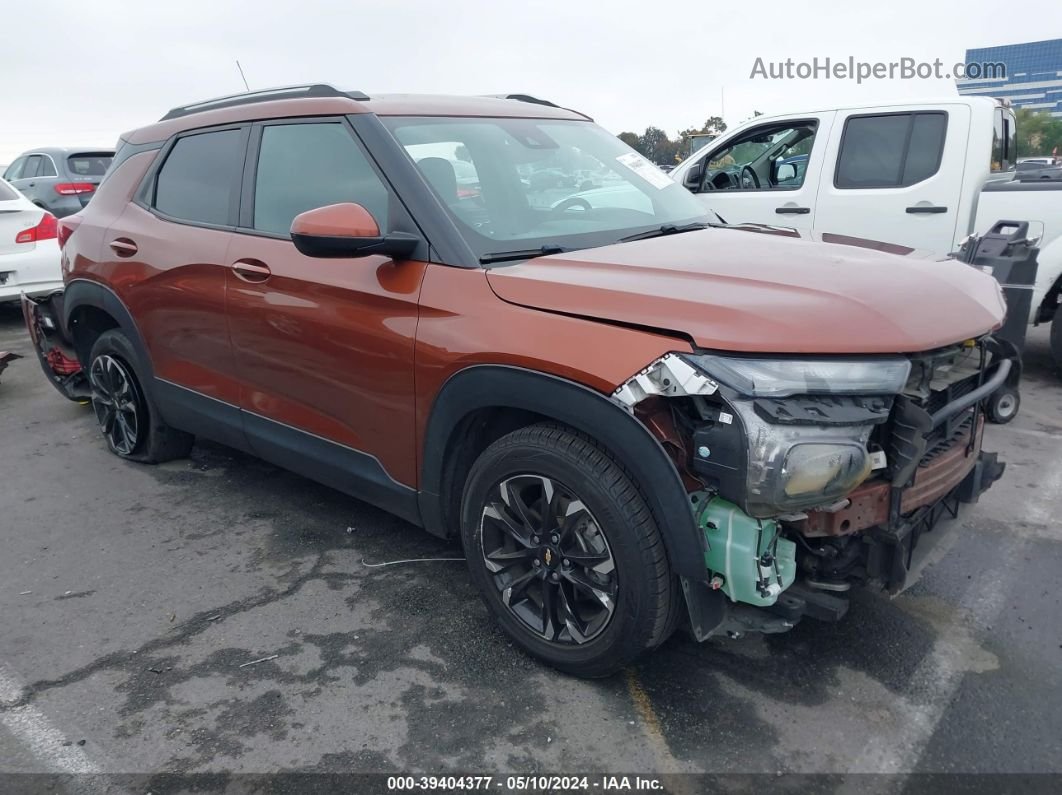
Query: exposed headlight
x,y
783,377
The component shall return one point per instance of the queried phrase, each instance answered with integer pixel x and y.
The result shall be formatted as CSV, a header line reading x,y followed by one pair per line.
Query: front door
x,y
323,347
766,175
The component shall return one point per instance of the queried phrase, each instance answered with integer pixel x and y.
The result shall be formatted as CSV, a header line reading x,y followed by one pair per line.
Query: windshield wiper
x,y
666,229
527,253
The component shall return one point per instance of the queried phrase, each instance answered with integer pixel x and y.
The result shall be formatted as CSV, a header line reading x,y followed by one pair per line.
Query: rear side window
x,y
32,167
304,166
89,164
891,151
199,180
47,168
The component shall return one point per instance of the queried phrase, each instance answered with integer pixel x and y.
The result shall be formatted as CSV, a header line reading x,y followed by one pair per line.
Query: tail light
x,y
74,188
60,363
66,228
47,229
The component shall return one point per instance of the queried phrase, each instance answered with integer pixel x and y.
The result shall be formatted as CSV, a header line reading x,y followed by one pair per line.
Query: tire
x,y
613,594
128,419
1056,339
1003,405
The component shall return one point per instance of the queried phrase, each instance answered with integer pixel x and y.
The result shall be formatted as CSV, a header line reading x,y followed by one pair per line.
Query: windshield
x,y
534,183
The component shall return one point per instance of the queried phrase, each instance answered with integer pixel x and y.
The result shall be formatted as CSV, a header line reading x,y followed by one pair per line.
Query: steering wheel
x,y
571,203
749,178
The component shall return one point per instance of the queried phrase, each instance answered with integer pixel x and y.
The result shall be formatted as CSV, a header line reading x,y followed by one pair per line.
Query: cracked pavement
x,y
132,598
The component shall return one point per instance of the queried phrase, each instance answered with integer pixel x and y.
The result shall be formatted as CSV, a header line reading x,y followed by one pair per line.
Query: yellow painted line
x,y
665,761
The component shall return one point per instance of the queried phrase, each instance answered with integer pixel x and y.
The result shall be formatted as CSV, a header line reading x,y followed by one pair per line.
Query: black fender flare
x,y
502,386
84,292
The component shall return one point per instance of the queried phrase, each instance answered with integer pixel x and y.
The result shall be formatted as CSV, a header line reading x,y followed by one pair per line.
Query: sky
x,y
95,68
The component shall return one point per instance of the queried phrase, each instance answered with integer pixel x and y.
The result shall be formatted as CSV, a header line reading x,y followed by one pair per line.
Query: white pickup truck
x,y
922,175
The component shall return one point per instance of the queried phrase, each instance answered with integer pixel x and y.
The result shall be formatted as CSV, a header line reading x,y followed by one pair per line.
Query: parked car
x,y
630,420
29,250
861,179
61,180
1032,170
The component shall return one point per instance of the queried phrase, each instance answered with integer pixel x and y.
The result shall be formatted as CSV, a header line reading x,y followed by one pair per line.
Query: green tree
x,y
633,140
1038,133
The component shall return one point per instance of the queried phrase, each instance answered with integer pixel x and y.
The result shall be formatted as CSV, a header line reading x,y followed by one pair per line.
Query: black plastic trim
x,y
343,468
500,386
199,414
83,292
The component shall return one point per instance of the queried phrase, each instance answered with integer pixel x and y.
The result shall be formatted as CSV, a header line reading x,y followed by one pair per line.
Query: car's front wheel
x,y
565,551
128,420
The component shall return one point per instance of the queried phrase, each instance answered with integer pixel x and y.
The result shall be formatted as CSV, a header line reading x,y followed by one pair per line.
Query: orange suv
x,y
492,318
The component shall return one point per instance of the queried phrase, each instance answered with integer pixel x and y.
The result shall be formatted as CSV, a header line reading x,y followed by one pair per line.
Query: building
x,y
1033,75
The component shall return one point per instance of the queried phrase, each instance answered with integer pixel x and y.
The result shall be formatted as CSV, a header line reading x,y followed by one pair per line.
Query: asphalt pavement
x,y
220,614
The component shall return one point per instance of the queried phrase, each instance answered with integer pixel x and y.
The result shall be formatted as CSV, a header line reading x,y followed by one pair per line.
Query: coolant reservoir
x,y
756,564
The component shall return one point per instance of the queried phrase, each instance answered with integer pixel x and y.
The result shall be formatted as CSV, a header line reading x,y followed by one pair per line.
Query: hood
x,y
735,291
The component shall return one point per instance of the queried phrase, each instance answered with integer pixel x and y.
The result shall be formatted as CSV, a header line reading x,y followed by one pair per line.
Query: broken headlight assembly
x,y
791,434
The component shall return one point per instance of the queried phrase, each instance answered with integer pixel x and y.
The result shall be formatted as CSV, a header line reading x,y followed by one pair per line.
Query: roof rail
x,y
538,101
264,95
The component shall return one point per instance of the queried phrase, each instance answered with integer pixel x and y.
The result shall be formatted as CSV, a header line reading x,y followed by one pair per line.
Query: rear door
x,y
169,247
895,175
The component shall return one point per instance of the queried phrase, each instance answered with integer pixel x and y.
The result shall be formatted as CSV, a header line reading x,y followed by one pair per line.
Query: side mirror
x,y
347,230
692,179
785,172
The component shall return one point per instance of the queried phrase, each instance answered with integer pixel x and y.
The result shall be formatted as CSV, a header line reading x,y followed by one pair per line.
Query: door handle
x,y
123,247
251,270
792,210
926,208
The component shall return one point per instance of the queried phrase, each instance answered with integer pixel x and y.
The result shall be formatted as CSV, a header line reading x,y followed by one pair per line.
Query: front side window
x,y
14,171
773,157
305,166
890,151
527,183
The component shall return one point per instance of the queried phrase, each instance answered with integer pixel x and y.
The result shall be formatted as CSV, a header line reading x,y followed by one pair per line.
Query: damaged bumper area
x,y
809,478
43,318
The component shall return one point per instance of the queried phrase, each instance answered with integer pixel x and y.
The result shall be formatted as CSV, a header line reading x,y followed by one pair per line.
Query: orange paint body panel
x,y
735,291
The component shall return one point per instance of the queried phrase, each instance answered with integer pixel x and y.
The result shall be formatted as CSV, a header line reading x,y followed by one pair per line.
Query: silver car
x,y
60,180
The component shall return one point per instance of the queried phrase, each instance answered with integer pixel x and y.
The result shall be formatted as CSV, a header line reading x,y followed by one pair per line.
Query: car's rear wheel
x,y
565,551
127,418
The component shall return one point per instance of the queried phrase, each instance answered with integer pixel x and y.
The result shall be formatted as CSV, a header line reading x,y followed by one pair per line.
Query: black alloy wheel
x,y
549,559
117,403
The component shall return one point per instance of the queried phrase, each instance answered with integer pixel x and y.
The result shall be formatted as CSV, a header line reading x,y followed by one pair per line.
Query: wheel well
x,y
86,325
1046,311
471,436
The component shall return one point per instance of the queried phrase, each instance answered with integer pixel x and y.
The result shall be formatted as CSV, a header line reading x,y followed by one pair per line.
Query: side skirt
x,y
343,468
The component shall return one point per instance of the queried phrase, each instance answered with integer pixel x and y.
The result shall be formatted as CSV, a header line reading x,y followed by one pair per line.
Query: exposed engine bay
x,y
809,477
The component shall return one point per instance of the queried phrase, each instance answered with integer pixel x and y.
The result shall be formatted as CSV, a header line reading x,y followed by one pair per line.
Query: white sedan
x,y
29,247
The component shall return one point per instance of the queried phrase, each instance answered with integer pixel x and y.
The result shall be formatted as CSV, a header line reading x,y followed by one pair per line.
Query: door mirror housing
x,y
347,230
692,179
785,172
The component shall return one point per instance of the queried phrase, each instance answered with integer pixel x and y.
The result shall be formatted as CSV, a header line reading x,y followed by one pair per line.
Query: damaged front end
x,y
810,476
52,343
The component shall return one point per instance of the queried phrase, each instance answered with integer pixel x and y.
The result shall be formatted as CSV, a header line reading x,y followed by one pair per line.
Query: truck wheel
x,y
1003,405
565,552
127,418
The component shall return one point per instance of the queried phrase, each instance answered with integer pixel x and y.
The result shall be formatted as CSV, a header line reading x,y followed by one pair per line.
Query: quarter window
x,y
891,151
305,166
198,181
